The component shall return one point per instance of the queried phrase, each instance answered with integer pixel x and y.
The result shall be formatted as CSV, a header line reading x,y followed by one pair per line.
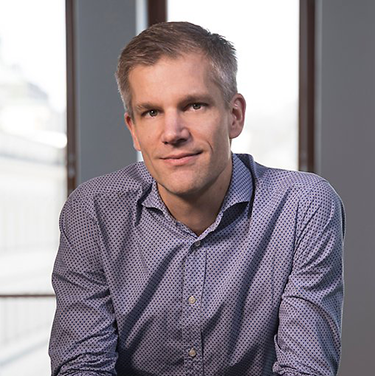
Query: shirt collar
x,y
153,199
241,185
240,189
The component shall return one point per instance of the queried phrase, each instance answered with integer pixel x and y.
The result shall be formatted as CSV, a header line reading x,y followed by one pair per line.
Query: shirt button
x,y
197,243
192,300
192,352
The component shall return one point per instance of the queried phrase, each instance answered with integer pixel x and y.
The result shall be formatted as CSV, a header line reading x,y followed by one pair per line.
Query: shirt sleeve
x,y
308,340
84,336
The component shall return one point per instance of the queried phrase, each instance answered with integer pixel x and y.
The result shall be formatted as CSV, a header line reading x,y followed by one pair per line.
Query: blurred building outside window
x,y
32,176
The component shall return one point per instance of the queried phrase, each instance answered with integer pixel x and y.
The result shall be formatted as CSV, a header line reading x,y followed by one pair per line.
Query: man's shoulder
x,y
129,182
276,178
276,181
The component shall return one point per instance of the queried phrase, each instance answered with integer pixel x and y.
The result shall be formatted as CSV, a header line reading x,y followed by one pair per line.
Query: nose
x,y
175,131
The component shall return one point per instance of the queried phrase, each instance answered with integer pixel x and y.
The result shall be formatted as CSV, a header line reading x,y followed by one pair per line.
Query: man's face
x,y
182,125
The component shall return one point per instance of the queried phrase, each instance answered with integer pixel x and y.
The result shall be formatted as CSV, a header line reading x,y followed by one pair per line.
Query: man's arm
x,y
308,341
84,338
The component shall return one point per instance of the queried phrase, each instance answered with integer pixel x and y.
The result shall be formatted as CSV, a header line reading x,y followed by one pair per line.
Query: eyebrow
x,y
195,98
145,107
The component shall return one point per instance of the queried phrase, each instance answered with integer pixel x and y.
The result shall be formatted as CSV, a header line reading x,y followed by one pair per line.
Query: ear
x,y
238,108
131,126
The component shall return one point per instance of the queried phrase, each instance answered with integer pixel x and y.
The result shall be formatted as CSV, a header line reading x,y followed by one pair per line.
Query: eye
x,y
196,106
151,113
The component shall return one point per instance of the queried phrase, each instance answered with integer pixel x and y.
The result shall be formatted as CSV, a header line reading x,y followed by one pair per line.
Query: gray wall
x,y
102,28
346,145
345,133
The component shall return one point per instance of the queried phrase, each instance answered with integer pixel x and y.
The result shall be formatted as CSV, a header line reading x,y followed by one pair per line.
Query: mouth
x,y
180,159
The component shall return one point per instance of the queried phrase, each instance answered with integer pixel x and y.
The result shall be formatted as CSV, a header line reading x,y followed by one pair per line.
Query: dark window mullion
x,y
156,11
7,296
306,147
71,159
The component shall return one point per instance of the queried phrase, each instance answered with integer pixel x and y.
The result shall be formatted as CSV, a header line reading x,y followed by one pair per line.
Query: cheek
x,y
213,129
145,141
221,138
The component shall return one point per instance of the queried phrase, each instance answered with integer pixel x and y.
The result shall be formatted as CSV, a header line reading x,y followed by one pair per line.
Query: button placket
x,y
193,287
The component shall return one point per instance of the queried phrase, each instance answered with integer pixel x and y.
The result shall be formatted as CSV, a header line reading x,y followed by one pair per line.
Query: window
x,y
32,175
266,36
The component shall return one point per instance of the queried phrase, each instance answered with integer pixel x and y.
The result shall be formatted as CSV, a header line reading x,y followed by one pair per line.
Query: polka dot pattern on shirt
x,y
257,293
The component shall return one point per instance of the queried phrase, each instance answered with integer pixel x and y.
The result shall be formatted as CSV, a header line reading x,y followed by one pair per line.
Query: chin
x,y
182,191
182,188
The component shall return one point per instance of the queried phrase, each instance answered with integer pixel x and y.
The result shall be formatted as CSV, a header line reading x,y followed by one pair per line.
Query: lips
x,y
180,155
181,158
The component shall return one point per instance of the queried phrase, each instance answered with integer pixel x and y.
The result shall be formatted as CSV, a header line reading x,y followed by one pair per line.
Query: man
x,y
197,261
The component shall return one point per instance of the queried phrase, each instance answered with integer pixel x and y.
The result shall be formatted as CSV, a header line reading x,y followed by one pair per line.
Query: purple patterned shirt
x,y
259,292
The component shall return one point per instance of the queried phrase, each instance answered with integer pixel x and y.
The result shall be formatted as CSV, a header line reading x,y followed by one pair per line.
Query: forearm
x,y
84,334
308,341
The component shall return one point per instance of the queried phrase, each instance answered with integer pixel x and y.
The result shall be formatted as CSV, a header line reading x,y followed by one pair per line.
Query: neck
x,y
198,211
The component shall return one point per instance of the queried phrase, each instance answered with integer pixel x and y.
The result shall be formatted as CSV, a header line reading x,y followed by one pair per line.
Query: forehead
x,y
184,74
